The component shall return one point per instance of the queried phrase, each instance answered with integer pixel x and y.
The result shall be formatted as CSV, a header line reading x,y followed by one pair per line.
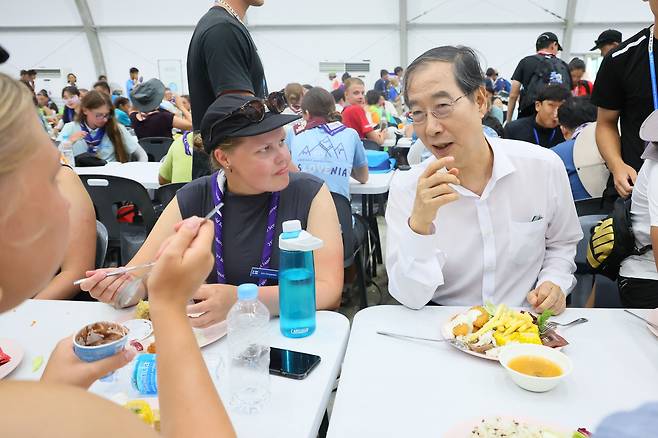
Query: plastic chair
x,y
415,154
607,293
156,147
139,155
106,193
164,194
354,233
102,241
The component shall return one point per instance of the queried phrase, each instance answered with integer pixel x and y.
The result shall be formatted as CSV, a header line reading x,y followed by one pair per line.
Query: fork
x,y
454,342
554,324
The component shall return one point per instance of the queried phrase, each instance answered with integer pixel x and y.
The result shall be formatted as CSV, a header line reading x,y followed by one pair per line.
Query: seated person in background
x,y
80,249
186,102
177,165
541,128
581,87
375,109
123,108
34,233
294,94
71,98
339,97
149,120
574,115
96,131
44,107
354,114
258,193
83,91
638,275
325,147
491,124
498,225
103,87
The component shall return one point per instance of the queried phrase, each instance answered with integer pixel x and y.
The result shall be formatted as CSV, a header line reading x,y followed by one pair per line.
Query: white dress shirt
x,y
497,247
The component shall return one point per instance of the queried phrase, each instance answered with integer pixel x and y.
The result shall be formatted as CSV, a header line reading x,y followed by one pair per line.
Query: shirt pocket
x,y
527,241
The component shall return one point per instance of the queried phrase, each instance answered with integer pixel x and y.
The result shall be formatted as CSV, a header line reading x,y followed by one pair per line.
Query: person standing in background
x,y
132,81
607,41
625,95
222,59
382,83
579,86
71,80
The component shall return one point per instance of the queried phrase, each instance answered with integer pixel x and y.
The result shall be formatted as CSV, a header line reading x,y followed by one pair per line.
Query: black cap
x,y
214,133
607,37
548,36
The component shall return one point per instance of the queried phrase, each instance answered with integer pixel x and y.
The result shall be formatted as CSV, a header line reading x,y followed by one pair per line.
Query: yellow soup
x,y
535,366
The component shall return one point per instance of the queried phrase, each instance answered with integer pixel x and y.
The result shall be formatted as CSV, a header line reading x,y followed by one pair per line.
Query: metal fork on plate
x,y
454,342
552,325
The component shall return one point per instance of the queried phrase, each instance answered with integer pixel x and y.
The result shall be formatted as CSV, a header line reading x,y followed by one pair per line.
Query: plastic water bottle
x,y
297,280
66,149
249,351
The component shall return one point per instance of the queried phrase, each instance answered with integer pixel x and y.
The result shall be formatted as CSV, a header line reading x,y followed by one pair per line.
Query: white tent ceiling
x,y
90,37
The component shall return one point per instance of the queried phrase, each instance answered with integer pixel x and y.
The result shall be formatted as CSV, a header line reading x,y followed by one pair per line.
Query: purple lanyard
x,y
218,178
92,140
188,151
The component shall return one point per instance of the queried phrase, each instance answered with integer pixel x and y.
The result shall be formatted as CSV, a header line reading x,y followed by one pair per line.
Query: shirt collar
x,y
502,166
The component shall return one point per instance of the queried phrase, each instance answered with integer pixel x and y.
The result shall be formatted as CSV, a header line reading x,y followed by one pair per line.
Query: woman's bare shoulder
x,y
35,409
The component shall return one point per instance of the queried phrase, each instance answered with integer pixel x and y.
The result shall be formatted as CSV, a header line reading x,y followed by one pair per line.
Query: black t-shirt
x,y
623,84
526,128
221,57
245,220
156,124
525,70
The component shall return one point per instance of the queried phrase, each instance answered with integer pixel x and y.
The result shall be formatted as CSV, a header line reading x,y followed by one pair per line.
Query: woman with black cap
x,y
258,193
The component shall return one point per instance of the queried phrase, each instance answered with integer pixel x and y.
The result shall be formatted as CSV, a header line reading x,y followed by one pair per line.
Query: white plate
x,y
138,329
15,352
464,430
446,332
653,317
204,336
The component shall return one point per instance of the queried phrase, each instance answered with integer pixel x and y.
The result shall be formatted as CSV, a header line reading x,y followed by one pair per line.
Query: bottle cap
x,y
291,226
247,291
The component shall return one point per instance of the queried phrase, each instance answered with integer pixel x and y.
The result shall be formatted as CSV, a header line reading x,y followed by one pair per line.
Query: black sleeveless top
x,y
245,219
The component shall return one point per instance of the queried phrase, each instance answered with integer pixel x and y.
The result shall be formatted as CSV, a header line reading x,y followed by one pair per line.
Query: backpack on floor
x,y
612,240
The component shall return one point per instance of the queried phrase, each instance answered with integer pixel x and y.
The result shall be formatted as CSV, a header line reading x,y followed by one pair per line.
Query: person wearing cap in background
x,y
252,181
574,116
638,274
149,120
528,78
625,94
607,41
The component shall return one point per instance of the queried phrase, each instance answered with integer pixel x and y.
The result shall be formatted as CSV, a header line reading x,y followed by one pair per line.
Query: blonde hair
x,y
294,93
226,146
353,81
15,104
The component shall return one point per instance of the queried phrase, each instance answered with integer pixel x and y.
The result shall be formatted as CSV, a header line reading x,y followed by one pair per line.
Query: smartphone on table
x,y
292,364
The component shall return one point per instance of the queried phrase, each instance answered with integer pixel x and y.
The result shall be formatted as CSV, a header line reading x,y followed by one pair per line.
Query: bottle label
x,y
144,378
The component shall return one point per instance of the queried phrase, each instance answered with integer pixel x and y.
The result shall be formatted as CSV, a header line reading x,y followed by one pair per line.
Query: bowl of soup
x,y
535,367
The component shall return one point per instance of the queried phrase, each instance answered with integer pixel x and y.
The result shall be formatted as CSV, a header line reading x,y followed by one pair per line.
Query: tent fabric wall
x,y
293,36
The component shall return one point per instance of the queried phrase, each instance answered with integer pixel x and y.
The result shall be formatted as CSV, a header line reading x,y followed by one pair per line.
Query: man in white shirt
x,y
500,225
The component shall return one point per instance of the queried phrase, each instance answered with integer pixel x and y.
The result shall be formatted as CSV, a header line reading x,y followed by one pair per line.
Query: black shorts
x,y
638,293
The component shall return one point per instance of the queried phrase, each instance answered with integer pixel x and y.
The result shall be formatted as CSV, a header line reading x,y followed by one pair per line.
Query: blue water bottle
x,y
297,280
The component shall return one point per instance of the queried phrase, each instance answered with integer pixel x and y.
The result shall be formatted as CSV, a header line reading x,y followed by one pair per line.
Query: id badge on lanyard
x,y
652,70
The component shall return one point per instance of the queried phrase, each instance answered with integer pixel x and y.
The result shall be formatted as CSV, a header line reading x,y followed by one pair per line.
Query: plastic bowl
x,y
534,383
98,352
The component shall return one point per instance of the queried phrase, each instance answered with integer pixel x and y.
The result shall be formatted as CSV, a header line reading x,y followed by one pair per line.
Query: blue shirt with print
x,y
329,152
565,151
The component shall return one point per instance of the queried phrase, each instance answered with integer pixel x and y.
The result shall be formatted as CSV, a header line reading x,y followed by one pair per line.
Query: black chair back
x,y
156,147
107,193
591,206
164,194
344,210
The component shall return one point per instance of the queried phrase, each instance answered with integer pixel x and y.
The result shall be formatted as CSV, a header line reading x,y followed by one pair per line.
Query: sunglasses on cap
x,y
254,110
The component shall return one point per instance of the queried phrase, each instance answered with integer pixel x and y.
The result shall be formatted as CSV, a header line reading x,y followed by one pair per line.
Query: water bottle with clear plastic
x,y
297,280
66,149
249,352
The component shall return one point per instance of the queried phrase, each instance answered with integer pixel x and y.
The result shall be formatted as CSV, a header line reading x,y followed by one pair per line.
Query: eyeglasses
x,y
441,111
100,116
